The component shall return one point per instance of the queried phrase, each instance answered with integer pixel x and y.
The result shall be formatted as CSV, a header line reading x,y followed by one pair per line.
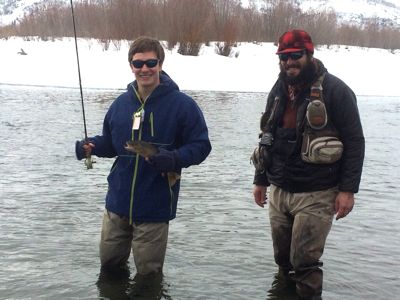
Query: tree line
x,y
191,23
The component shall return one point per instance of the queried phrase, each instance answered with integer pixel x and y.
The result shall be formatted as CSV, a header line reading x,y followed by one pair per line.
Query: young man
x,y
307,186
141,197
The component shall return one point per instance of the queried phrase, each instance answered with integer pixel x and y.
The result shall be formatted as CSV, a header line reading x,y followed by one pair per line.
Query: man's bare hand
x,y
260,195
344,204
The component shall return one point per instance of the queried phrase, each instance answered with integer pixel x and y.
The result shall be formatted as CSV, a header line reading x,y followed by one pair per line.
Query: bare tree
x,y
190,23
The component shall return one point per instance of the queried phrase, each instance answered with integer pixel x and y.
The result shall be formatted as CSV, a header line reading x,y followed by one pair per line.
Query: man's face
x,y
147,74
294,65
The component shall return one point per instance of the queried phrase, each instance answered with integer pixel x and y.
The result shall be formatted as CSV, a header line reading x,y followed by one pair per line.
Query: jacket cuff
x,y
260,178
79,151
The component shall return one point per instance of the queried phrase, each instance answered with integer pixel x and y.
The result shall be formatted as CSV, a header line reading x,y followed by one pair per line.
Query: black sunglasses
x,y
292,55
150,63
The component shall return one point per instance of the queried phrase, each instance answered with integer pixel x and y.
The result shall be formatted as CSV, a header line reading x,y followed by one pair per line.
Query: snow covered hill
x,y
11,10
358,11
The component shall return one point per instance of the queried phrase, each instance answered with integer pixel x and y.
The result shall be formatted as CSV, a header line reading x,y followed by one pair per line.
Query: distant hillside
x,y
348,11
11,10
359,11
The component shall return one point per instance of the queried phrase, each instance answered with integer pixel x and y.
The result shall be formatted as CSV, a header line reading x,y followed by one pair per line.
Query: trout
x,y
146,150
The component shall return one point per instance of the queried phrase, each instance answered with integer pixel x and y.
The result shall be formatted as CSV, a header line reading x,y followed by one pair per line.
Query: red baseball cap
x,y
295,40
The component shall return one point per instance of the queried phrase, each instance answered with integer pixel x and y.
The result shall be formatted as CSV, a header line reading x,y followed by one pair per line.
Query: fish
x,y
173,177
146,150
142,148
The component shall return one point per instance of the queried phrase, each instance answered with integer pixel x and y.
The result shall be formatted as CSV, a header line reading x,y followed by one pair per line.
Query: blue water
x,y
219,245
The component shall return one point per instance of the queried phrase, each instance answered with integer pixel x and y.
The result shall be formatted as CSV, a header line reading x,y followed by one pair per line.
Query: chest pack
x,y
321,143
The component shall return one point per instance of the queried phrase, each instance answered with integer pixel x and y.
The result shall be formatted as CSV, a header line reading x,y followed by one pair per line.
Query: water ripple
x,y
219,245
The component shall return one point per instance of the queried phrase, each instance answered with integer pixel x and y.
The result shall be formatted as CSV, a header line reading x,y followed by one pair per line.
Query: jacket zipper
x,y
151,120
134,180
151,124
141,108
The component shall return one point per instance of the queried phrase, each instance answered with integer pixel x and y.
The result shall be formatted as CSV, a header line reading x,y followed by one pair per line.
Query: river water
x,y
219,246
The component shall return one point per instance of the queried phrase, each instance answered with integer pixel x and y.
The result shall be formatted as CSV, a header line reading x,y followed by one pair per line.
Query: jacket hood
x,y
166,85
320,67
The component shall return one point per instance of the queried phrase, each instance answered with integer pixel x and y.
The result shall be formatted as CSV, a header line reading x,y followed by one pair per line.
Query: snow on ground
x,y
254,68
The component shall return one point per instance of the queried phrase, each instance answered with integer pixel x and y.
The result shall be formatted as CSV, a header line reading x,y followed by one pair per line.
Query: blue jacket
x,y
171,120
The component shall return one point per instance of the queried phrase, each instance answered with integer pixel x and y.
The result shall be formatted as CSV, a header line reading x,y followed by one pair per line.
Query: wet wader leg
x,y
313,220
115,242
149,246
281,230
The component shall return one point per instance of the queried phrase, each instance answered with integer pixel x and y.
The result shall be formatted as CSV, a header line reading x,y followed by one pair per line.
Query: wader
x,y
300,223
147,240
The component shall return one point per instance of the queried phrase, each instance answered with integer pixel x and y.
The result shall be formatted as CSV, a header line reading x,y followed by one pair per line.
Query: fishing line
x,y
88,161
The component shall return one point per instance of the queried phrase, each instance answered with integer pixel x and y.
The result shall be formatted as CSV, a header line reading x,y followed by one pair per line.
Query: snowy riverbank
x,y
254,69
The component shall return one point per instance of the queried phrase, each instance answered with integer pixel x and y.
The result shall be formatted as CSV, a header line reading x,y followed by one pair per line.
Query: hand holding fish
x,y
161,159
164,160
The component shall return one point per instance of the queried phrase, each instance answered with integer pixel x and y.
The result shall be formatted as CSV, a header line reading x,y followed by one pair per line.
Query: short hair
x,y
146,44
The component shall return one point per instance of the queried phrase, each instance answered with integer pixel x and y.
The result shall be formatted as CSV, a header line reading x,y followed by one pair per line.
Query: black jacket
x,y
287,170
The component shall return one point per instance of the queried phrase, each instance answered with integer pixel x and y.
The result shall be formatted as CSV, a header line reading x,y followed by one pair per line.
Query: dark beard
x,y
306,75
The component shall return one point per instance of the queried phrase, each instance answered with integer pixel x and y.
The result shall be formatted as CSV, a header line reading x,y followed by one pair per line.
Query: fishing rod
x,y
88,160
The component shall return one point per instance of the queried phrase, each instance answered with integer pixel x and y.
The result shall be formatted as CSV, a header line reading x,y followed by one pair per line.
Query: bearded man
x,y
310,157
